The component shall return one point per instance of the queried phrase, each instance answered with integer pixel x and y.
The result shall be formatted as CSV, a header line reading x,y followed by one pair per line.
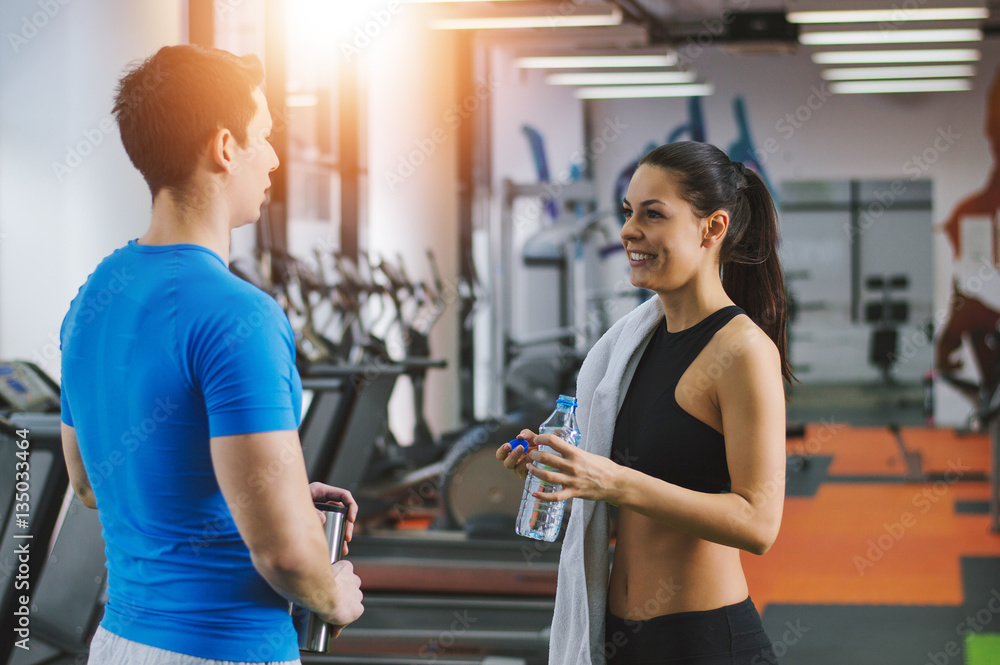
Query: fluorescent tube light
x,y
551,20
933,85
888,15
926,72
596,61
640,91
890,36
620,78
920,55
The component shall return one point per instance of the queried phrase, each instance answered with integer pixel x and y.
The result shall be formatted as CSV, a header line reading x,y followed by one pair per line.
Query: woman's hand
x,y
516,459
581,474
322,493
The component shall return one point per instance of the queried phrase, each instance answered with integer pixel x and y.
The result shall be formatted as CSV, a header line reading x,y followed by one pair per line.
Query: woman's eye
x,y
653,213
626,212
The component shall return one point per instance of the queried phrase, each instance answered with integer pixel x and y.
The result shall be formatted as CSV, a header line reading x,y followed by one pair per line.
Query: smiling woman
x,y
662,233
681,411
689,185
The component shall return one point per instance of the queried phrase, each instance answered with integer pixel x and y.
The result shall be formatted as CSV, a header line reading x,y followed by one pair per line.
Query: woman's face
x,y
662,234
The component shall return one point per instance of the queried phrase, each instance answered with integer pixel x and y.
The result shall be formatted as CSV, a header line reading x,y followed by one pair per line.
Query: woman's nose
x,y
629,230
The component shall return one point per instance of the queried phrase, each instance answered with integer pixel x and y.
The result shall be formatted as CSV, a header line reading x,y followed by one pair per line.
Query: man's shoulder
x,y
204,281
229,308
111,276
114,265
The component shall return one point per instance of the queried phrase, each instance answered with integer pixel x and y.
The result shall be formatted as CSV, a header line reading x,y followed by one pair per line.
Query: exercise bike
x,y
345,432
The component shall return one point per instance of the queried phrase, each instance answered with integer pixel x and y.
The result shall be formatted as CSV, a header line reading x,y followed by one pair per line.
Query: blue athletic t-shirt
x,y
162,349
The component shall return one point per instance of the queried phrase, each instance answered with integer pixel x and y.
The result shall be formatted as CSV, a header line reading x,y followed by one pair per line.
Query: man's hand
x,y
263,479
349,597
322,493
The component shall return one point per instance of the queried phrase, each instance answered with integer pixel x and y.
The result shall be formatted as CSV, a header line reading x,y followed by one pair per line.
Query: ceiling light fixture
x,y
643,91
926,72
888,15
620,78
874,57
597,61
934,85
890,36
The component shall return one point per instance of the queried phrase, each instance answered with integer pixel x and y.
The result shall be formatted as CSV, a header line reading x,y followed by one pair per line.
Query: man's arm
x,y
74,465
263,479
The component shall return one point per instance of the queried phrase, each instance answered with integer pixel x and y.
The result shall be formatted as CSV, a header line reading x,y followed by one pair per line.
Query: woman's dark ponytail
x,y
751,269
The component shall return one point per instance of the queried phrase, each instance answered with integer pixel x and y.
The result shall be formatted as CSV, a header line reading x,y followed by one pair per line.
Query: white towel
x,y
577,636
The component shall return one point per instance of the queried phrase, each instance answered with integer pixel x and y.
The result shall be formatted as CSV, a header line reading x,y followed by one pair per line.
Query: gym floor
x,y
879,561
873,566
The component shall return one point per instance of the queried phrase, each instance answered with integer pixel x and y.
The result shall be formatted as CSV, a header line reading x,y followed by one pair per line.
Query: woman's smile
x,y
639,259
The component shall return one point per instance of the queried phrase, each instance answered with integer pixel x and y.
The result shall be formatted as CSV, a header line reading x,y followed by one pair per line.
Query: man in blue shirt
x,y
181,399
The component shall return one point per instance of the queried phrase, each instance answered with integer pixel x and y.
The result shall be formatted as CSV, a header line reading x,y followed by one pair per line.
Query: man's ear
x,y
222,151
715,226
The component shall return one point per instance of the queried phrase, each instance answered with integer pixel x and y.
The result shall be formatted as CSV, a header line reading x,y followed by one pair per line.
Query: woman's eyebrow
x,y
645,203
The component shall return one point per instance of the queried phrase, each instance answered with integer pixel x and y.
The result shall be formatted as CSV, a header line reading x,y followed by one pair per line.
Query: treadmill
x,y
65,580
436,595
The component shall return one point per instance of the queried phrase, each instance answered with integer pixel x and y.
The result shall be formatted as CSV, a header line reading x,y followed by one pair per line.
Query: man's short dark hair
x,y
169,106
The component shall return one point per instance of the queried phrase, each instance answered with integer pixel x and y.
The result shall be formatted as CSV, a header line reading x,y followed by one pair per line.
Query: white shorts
x,y
109,649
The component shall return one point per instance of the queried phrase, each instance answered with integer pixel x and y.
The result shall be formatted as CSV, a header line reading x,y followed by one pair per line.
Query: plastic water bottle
x,y
541,520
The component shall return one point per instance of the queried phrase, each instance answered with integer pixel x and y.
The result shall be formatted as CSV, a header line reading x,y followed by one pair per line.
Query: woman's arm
x,y
752,404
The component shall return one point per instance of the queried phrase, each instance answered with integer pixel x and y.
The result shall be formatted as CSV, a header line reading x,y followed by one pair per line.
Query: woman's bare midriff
x,y
659,570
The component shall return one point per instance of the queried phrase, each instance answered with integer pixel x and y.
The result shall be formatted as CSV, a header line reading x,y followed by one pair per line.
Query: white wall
x,y
521,98
839,137
56,92
412,187
518,98
836,137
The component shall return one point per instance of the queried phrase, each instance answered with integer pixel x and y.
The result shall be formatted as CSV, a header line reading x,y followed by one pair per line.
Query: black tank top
x,y
653,434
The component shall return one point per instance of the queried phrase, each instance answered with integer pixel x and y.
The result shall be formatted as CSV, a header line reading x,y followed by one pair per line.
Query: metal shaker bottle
x,y
314,633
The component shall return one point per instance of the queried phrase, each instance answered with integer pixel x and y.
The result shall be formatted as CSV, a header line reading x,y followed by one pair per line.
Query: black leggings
x,y
730,635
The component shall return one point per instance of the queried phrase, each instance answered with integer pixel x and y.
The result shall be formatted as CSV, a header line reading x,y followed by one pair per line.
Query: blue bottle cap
x,y
567,400
514,443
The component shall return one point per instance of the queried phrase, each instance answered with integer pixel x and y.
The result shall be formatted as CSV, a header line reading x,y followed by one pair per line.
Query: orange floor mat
x,y
878,542
873,451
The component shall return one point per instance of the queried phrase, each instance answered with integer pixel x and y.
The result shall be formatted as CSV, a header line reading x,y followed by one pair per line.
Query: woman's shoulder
x,y
746,343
